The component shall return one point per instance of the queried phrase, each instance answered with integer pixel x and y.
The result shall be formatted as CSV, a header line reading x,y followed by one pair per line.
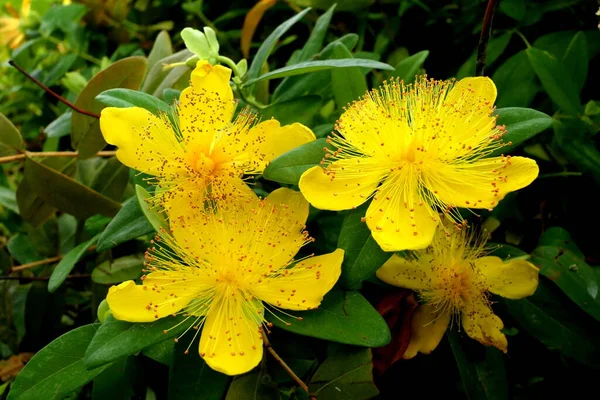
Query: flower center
x,y
204,165
456,286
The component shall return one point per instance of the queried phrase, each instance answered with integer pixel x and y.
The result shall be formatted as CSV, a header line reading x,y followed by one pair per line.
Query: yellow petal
x,y
148,302
294,203
303,286
471,92
481,324
343,185
399,218
513,280
145,141
428,328
414,274
206,106
231,342
479,184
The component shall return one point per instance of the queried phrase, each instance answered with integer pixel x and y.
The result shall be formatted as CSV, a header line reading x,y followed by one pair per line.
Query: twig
x,y
22,156
43,262
56,95
34,278
287,369
486,30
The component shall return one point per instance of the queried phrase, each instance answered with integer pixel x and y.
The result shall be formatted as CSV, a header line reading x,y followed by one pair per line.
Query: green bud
x,y
196,42
211,37
242,67
592,108
103,311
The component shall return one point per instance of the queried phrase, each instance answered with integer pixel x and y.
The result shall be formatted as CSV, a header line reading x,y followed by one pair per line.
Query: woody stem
x,y
484,38
22,156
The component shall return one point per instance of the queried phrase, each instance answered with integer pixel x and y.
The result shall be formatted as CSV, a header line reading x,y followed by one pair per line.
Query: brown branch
x,y
484,38
51,92
14,278
43,262
287,369
22,156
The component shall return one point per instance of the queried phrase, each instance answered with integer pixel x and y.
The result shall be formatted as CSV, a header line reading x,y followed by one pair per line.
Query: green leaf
x,y
159,79
482,370
66,194
190,378
59,69
288,167
348,84
124,98
407,69
514,8
563,263
268,45
362,256
319,65
315,41
66,265
576,60
496,47
342,317
345,375
301,109
516,83
555,80
10,138
60,127
116,381
62,17
116,339
111,179
254,385
57,369
157,220
129,223
119,270
161,48
8,199
32,207
521,124
161,352
85,130
550,318
570,135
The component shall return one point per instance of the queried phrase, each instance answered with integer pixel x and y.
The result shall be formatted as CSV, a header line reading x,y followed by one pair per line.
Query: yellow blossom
x,y
453,280
416,149
204,152
225,270
11,34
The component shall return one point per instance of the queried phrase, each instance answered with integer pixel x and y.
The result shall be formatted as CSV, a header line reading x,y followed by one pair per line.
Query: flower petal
x,y
343,185
303,286
206,106
474,92
414,274
294,203
145,141
481,324
231,342
479,184
399,219
148,302
428,328
513,280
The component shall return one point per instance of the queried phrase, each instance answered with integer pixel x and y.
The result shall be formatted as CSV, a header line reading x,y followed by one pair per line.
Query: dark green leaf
x,y
85,131
158,79
62,17
516,83
161,352
66,265
315,41
116,339
255,385
521,124
301,109
513,8
8,199
576,60
10,138
158,221
129,223
115,382
111,179
362,256
348,84
119,270
319,65
57,369
66,194
190,378
288,167
124,98
267,46
556,81
60,127
59,69
345,375
343,317
161,48
407,69
570,135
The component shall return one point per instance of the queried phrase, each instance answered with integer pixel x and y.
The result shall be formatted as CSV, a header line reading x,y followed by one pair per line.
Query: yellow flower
x,y
453,280
416,148
224,269
10,27
204,152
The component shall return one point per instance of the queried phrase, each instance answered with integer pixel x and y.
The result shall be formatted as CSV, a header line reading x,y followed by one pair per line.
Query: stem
x,y
43,262
57,96
486,30
524,38
287,369
30,154
239,87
